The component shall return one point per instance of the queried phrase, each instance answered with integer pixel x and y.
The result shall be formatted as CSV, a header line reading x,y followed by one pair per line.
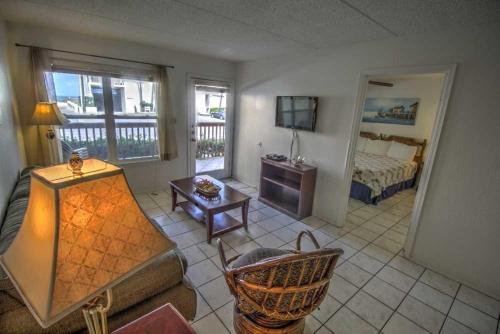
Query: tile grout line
x,y
402,300
408,293
417,281
388,264
458,299
336,238
213,311
374,275
478,291
451,305
359,289
469,305
218,317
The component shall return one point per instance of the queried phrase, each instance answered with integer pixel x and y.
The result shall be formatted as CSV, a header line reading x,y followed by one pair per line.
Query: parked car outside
x,y
218,114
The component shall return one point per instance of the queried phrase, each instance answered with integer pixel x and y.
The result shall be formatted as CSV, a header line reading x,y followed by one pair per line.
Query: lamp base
x,y
50,134
95,313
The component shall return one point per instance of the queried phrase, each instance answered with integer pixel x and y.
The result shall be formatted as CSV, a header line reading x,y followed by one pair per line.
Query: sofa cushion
x,y
20,321
22,189
183,259
12,222
27,171
160,275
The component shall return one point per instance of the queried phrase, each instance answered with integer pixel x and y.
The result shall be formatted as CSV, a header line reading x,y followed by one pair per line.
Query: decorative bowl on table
x,y
206,188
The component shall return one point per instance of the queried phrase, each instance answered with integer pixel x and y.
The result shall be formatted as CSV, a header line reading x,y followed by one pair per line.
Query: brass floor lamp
x,y
48,114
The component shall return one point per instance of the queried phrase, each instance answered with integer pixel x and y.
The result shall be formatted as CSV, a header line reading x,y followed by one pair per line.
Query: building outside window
x,y
114,118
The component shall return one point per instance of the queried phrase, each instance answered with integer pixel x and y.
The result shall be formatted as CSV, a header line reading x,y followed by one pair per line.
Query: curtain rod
x,y
96,56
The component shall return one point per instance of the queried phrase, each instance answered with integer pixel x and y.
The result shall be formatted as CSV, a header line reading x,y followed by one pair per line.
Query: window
x,y
114,118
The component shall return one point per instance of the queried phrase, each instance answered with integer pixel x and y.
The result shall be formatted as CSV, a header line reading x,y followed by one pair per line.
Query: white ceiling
x,y
250,29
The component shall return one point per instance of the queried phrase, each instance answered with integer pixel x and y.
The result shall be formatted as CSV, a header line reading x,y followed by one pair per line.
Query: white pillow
x,y
379,147
361,144
401,151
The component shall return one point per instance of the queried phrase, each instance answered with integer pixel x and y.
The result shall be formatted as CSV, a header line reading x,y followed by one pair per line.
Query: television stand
x,y
287,188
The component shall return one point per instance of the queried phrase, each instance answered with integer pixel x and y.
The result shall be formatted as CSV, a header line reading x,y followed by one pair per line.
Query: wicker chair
x,y
275,289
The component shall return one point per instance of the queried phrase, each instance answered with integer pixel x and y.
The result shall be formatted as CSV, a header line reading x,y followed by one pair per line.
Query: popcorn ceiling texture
x,y
248,30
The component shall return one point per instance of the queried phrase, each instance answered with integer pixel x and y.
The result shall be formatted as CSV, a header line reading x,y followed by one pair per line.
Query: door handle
x,y
193,140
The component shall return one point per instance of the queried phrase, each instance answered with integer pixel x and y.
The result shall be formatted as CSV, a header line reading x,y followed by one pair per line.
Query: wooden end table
x,y
164,320
211,212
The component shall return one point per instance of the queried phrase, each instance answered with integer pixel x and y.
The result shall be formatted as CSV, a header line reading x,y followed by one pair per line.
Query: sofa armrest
x,y
182,259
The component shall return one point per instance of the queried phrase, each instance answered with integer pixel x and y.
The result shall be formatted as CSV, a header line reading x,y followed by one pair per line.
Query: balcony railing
x,y
210,139
89,135
137,138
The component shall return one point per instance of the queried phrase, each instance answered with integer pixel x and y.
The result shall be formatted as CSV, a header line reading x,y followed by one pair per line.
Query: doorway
x,y
210,127
388,206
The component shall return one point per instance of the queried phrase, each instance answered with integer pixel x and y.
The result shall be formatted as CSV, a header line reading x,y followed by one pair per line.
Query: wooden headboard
x,y
419,143
369,135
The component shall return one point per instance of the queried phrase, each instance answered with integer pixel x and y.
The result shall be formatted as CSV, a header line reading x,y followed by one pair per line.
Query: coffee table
x,y
211,212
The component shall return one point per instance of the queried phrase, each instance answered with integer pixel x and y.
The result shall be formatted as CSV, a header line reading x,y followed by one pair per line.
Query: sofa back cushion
x,y
14,215
22,188
13,221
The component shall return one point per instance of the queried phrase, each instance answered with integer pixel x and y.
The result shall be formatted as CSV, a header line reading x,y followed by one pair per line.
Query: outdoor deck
x,y
138,138
209,164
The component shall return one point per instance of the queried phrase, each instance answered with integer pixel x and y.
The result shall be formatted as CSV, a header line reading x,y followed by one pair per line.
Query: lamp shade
x,y
47,113
80,236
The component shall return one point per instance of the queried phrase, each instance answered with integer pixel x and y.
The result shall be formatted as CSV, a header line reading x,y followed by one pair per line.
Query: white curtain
x,y
166,119
49,151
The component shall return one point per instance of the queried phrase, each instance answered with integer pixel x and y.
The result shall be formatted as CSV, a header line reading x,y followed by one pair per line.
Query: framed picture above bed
x,y
397,110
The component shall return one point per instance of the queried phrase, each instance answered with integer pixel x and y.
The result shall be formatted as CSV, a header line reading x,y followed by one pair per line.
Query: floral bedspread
x,y
379,172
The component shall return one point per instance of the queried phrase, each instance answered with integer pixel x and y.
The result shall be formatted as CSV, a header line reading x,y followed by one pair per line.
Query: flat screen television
x,y
296,112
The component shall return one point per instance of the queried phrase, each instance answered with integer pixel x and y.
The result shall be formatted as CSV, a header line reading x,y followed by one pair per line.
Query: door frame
x,y
191,118
449,73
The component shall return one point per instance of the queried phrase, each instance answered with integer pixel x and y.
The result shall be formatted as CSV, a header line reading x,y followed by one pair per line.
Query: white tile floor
x,y
374,289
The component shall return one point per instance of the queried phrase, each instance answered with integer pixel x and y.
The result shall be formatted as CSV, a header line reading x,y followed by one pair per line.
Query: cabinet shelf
x,y
287,188
281,181
286,207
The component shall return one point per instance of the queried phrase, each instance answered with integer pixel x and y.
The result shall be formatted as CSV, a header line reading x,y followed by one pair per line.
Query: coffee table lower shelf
x,y
222,222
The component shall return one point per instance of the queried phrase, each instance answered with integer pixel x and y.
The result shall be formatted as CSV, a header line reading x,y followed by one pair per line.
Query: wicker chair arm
x,y
233,259
222,255
310,235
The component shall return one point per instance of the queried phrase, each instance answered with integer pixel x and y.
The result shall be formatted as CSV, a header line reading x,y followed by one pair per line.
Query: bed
x,y
378,176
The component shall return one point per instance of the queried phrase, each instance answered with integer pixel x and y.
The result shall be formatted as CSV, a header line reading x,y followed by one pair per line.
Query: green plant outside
x,y
212,110
127,147
207,148
139,147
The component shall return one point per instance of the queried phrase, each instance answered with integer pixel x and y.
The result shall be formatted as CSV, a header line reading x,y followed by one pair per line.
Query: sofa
x,y
159,283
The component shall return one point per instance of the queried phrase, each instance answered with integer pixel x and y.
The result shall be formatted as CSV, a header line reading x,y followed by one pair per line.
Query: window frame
x,y
109,117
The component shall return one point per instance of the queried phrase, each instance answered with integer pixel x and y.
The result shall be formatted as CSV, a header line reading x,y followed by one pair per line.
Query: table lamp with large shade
x,y
81,235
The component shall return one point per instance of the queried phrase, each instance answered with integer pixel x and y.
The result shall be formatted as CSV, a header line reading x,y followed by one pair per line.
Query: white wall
x,y
10,161
425,87
459,230
142,176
